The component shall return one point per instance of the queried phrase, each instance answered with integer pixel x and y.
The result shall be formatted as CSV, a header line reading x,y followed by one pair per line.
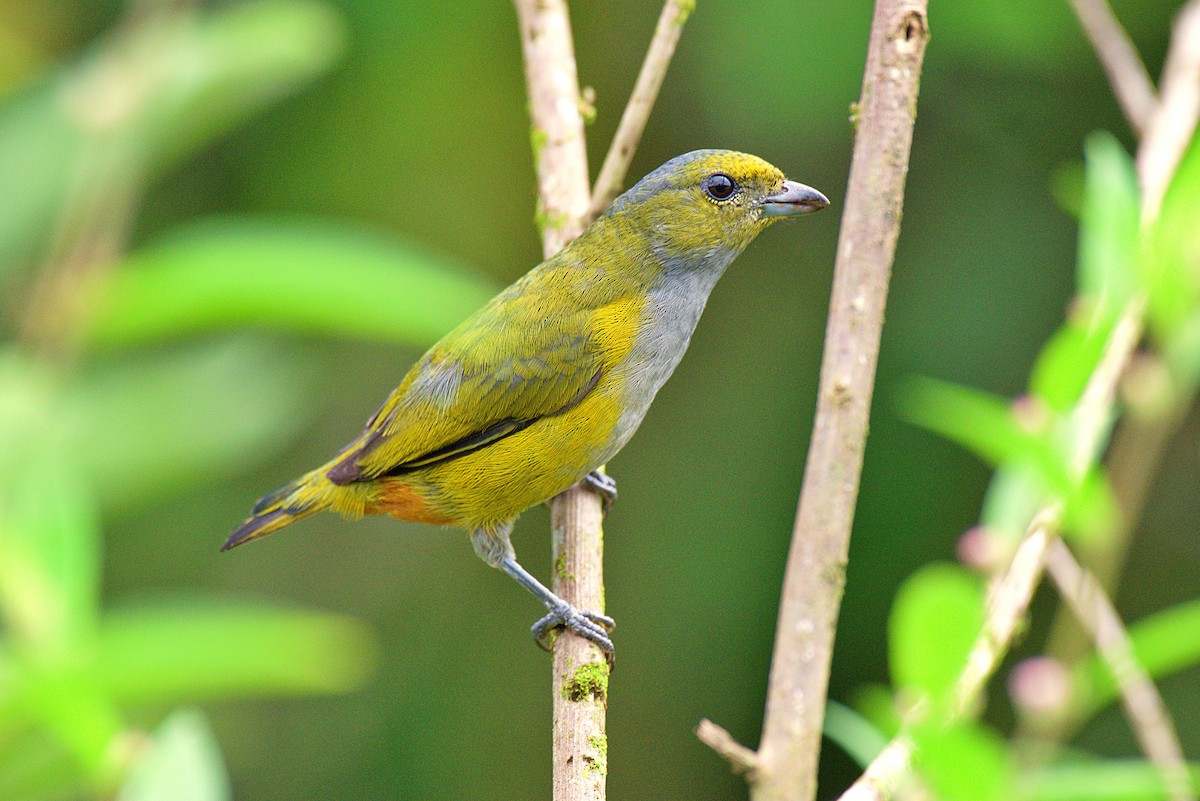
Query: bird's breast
x,y
666,320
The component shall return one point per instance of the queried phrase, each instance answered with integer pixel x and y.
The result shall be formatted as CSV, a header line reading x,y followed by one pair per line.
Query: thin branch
x,y
814,576
1008,602
637,111
1126,73
884,776
1170,129
740,758
580,674
1143,705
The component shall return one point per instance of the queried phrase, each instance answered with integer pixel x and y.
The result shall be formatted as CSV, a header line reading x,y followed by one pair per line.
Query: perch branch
x,y
637,111
580,768
1143,705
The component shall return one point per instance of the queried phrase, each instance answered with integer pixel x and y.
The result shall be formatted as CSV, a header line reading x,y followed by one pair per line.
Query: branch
x,y
633,121
559,155
1170,129
1130,82
580,673
787,756
1143,705
740,758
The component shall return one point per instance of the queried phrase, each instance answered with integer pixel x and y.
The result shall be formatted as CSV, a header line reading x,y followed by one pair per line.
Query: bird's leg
x,y
495,548
589,625
603,485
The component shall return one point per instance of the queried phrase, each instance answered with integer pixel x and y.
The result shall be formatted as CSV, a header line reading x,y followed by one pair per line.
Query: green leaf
x,y
67,703
1164,643
1067,360
980,422
150,94
935,618
196,650
148,428
49,557
49,544
183,763
1099,780
1108,226
964,762
1172,258
297,276
35,765
853,733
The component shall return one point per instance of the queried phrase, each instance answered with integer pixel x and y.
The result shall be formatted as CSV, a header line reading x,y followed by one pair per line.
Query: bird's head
x,y
708,205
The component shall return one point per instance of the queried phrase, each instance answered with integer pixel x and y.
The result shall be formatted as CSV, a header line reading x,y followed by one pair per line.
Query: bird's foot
x,y
603,485
589,625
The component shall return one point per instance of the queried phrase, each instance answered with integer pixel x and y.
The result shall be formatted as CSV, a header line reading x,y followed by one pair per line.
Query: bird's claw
x,y
591,626
603,485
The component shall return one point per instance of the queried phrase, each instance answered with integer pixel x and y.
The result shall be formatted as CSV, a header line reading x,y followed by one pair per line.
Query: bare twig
x,y
740,758
1143,705
1170,128
1130,82
633,121
580,673
814,578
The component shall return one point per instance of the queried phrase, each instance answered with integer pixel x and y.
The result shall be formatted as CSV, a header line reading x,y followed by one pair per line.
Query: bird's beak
x,y
795,199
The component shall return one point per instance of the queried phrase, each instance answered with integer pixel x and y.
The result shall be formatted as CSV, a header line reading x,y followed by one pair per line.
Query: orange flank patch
x,y
398,499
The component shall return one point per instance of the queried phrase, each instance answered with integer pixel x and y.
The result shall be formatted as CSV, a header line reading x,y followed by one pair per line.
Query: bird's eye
x,y
719,186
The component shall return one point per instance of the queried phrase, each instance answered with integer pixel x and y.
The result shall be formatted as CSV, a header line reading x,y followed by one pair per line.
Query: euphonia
x,y
549,380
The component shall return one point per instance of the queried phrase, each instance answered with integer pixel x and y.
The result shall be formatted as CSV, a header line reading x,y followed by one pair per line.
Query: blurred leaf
x,y
1067,360
982,423
1164,643
71,705
1013,496
1066,186
936,616
35,765
49,545
147,428
877,704
853,733
49,556
1098,780
156,91
299,276
182,763
1172,261
1108,226
989,427
174,652
964,762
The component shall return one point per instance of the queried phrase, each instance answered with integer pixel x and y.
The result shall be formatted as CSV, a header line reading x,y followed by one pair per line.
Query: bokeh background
x,y
401,129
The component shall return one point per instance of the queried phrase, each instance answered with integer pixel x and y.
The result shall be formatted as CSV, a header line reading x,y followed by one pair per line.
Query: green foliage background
x,y
298,246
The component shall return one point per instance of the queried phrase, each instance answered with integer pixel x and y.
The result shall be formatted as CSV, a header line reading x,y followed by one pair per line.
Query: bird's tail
x,y
291,502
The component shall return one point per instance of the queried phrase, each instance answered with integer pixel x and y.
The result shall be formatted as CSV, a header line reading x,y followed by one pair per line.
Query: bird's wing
x,y
498,373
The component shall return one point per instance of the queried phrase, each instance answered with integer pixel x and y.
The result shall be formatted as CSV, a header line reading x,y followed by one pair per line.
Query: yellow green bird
x,y
550,379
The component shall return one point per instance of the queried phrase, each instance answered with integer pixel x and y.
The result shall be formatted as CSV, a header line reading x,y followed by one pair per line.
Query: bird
x,y
537,390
